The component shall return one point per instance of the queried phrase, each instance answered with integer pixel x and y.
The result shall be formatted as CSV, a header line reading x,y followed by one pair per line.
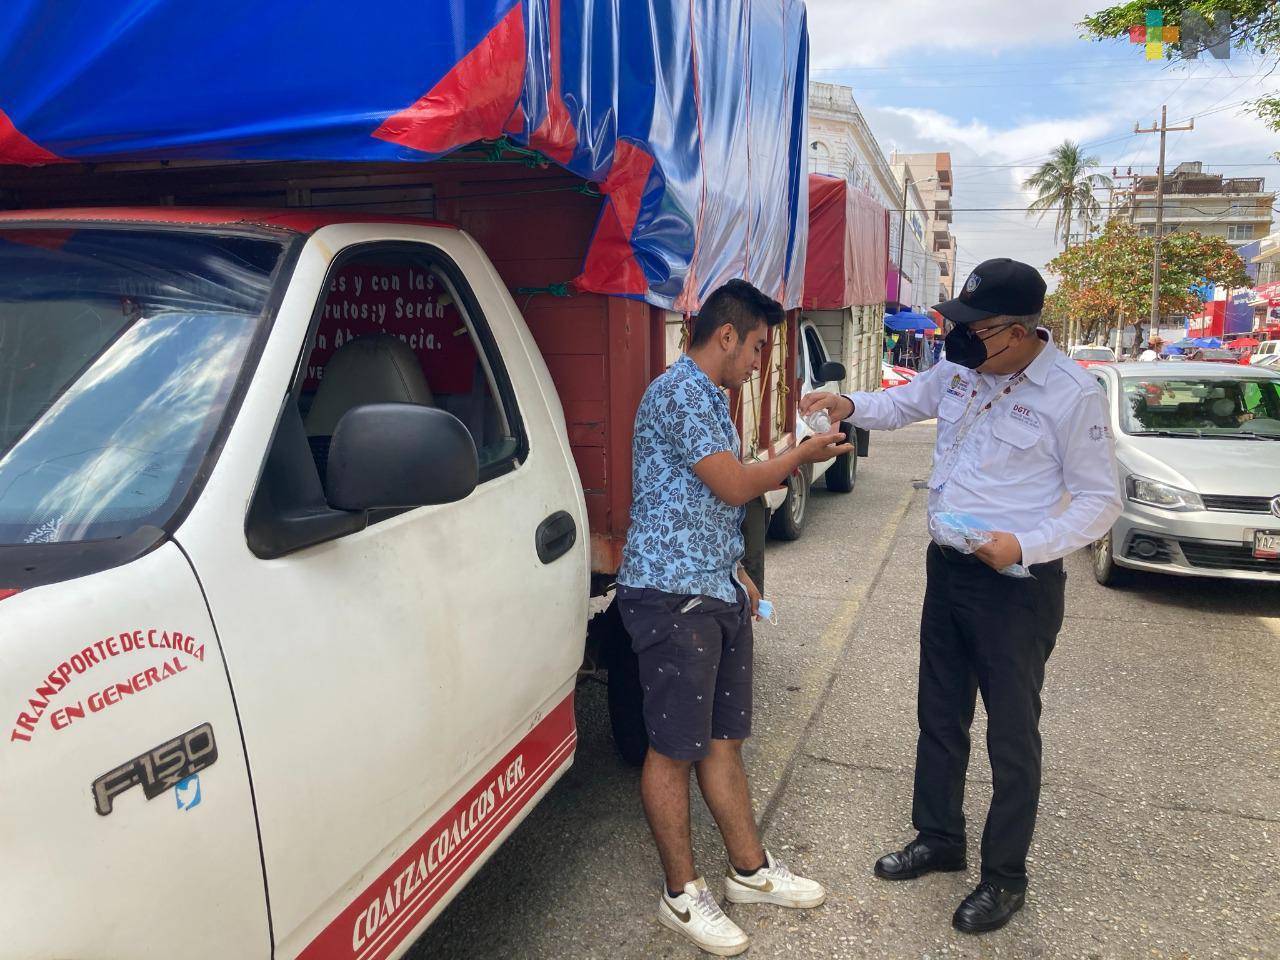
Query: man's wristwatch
x,y
851,408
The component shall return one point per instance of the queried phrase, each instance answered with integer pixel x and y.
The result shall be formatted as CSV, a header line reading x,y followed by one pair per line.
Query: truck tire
x,y
754,533
626,699
842,475
788,520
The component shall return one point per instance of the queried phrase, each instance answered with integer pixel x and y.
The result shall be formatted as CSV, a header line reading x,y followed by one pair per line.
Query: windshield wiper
x,y
1169,433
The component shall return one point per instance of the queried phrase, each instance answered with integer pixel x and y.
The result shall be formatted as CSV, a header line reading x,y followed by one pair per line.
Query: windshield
x,y
1247,407
1093,353
118,350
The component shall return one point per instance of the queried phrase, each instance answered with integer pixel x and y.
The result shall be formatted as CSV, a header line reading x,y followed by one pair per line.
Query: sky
x,y
999,84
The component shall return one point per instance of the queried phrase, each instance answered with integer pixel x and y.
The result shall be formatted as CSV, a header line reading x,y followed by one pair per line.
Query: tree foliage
x,y
1064,185
1255,29
1109,277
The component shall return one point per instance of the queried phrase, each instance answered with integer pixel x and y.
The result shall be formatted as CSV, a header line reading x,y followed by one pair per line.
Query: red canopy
x,y
848,246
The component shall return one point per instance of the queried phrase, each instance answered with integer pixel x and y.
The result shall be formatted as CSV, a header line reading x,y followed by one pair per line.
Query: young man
x,y
688,604
1020,428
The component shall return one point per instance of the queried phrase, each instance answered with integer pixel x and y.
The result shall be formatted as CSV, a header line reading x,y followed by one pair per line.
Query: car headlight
x,y
1156,494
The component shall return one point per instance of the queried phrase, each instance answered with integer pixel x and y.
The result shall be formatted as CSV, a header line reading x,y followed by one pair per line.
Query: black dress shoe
x,y
917,859
989,907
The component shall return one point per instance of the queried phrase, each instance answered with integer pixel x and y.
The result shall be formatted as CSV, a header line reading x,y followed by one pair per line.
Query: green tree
x,y
1255,28
1064,185
1108,279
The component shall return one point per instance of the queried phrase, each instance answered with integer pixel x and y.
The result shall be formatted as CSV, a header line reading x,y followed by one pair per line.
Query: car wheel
x,y
1105,569
842,475
788,520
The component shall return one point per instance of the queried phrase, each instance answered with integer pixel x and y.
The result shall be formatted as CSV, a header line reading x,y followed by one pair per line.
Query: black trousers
x,y
983,631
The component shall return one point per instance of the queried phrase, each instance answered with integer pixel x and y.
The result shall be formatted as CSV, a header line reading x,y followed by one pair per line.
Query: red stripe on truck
x,y
389,908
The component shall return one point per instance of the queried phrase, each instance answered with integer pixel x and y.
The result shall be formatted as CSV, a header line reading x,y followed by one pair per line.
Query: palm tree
x,y
1063,184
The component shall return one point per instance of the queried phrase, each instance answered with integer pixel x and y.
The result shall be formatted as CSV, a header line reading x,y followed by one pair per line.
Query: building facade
x,y
1238,209
841,144
931,176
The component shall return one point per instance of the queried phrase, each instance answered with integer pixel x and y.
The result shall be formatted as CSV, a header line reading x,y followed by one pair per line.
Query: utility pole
x,y
1163,129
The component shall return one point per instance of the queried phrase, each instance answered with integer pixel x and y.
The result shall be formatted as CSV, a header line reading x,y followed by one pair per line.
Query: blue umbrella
x,y
906,320
1206,342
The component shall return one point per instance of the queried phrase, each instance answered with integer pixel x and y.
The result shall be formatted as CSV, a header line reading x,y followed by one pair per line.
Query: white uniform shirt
x,y
1010,448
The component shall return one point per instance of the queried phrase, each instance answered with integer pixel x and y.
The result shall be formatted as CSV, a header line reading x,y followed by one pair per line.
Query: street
x,y
1160,812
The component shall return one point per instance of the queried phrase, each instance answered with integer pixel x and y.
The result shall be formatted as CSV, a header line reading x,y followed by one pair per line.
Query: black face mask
x,y
967,348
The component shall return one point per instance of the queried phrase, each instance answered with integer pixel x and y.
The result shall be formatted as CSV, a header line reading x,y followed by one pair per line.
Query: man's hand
x,y
824,446
838,408
1003,550
753,594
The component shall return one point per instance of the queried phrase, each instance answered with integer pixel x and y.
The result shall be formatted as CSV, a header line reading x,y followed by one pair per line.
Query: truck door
x,y
405,690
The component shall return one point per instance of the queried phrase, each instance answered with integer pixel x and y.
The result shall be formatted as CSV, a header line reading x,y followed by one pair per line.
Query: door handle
x,y
555,537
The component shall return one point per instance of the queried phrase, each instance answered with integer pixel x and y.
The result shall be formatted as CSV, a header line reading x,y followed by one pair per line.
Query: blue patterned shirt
x,y
683,538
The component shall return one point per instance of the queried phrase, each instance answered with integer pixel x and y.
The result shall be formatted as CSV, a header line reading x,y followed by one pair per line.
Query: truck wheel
x,y
1105,569
843,472
788,521
626,699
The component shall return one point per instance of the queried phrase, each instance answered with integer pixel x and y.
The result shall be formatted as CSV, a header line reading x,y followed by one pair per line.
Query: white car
x,y
1198,453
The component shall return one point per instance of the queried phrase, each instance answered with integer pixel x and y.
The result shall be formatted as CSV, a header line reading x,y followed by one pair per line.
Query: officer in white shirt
x,y
1021,429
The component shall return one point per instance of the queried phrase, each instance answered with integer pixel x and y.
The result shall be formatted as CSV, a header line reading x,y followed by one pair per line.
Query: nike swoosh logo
x,y
766,887
682,915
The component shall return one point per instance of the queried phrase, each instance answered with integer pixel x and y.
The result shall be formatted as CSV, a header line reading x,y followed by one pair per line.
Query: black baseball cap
x,y
995,288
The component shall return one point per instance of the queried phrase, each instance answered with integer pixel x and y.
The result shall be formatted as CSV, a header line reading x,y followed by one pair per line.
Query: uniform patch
x,y
957,386
1025,415
1099,432
972,283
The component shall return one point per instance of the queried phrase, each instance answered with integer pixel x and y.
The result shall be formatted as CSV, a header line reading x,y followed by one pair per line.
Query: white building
x,y
842,145
1238,209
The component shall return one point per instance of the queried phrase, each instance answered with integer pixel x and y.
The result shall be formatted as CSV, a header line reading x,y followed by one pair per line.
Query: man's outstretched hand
x,y
838,408
824,446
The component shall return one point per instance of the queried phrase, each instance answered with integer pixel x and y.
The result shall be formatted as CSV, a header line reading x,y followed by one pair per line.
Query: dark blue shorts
x,y
695,656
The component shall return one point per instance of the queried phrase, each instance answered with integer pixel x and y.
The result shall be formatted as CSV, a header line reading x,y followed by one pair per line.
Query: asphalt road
x,y
1159,828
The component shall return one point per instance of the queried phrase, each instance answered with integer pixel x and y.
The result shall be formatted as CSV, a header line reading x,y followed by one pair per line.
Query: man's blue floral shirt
x,y
683,538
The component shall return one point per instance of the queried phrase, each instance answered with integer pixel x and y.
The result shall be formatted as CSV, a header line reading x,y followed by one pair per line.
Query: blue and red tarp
x,y
690,116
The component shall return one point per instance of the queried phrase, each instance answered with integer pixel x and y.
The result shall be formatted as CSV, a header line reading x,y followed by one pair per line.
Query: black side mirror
x,y
830,371
387,456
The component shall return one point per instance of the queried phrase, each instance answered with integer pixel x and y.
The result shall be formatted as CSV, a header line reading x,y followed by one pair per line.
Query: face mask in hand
x,y
968,349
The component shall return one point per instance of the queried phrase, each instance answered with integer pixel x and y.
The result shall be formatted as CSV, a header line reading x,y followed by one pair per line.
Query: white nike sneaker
x,y
775,884
696,915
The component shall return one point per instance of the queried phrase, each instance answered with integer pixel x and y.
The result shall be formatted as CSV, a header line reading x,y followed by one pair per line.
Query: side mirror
x,y
387,456
831,371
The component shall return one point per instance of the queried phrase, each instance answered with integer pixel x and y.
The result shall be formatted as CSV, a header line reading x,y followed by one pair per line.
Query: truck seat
x,y
375,369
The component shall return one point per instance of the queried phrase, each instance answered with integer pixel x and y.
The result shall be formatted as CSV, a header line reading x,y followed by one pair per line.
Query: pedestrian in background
x,y
1020,428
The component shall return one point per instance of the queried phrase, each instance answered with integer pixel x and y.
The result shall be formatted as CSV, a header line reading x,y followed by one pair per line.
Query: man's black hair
x,y
738,303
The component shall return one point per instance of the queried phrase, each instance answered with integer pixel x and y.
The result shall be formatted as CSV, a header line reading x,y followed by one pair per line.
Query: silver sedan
x,y
1198,448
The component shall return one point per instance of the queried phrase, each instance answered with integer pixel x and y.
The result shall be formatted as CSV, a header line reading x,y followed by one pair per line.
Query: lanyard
x,y
967,423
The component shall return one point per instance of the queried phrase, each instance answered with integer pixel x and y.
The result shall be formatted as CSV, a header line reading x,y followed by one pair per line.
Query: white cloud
x,y
990,162
874,32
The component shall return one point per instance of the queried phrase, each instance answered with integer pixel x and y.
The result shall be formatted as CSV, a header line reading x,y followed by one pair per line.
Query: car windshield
x,y
1093,353
1238,407
1213,354
118,351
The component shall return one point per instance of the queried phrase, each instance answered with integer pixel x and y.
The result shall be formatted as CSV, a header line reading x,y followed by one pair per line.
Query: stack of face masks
x,y
966,533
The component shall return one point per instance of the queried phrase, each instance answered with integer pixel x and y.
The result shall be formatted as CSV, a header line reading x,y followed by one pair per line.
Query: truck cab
x,y
295,578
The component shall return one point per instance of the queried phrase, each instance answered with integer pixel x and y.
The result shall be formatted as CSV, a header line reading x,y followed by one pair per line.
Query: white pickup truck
x,y
258,571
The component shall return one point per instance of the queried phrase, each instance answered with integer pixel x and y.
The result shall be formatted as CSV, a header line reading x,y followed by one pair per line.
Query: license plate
x,y
1266,544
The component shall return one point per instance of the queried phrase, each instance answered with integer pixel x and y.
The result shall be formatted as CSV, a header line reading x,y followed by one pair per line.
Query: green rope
x,y
556,290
